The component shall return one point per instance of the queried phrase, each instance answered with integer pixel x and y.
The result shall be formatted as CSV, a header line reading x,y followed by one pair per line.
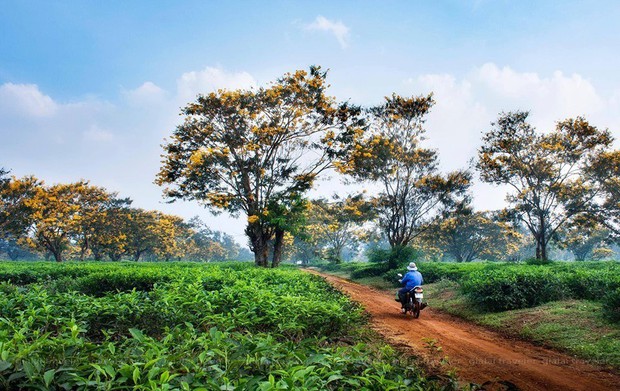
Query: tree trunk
x,y
84,249
277,248
541,240
260,255
57,255
97,255
259,244
543,251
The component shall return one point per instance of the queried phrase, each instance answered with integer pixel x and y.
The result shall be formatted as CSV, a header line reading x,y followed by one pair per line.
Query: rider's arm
x,y
405,279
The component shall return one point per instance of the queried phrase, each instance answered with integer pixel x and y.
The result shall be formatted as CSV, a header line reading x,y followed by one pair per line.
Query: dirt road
x,y
477,355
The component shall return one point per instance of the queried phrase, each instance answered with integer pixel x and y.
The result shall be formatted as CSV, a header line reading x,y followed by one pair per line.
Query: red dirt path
x,y
478,355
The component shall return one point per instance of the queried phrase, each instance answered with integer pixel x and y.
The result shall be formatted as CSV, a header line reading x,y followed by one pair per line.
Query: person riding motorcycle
x,y
412,279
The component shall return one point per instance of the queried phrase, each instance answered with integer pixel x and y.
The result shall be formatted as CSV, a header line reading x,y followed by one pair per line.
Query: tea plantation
x,y
496,286
186,326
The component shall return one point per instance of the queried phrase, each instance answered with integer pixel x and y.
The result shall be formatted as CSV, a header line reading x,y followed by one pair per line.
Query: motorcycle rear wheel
x,y
416,309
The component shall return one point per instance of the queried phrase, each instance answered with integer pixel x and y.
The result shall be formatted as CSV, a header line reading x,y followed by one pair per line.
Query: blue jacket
x,y
412,279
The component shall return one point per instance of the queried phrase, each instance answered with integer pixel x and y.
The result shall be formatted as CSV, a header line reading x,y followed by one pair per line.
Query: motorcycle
x,y
413,300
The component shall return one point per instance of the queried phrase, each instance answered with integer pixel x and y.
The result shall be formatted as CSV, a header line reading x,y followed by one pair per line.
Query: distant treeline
x,y
81,221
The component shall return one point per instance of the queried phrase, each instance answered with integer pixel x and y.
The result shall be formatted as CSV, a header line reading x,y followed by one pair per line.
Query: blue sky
x,y
89,89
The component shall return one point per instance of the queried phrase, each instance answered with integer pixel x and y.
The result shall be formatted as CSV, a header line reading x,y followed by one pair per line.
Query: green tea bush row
x,y
499,290
188,327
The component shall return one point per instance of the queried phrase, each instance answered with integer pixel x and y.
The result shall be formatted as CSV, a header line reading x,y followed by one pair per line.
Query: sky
x,y
91,89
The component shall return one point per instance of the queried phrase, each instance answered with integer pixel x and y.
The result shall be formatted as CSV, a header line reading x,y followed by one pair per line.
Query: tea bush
x,y
611,305
508,289
186,327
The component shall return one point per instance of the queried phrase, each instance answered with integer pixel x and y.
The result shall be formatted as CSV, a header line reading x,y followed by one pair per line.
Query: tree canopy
x,y
249,151
550,173
390,154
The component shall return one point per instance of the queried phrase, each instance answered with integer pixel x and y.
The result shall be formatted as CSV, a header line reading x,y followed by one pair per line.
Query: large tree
x,y
549,173
605,169
56,217
93,201
245,151
108,229
15,213
145,233
413,191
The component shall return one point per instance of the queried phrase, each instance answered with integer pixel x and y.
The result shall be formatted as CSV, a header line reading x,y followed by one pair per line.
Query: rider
x,y
412,279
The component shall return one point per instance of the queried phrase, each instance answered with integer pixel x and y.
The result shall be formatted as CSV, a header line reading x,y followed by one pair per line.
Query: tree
x,y
585,238
56,217
549,173
173,236
109,229
206,245
93,202
413,190
14,250
467,235
605,169
15,213
335,226
143,233
247,151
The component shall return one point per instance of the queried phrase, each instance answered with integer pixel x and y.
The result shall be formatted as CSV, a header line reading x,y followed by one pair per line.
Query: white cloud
x,y
549,98
95,133
147,94
337,28
211,79
25,100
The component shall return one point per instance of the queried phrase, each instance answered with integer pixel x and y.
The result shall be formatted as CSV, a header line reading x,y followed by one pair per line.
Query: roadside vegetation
x,y
570,306
180,326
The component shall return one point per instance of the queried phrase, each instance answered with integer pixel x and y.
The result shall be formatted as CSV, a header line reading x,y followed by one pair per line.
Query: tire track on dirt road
x,y
478,355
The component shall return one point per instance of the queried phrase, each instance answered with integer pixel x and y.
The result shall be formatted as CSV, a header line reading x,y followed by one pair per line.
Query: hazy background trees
x,y
80,221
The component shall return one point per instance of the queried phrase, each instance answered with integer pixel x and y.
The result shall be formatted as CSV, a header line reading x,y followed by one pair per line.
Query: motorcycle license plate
x,y
418,295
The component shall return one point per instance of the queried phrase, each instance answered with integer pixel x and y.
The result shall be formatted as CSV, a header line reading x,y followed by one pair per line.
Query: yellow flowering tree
x,y
15,213
605,168
332,226
93,201
245,151
56,217
466,235
109,228
586,238
550,174
390,154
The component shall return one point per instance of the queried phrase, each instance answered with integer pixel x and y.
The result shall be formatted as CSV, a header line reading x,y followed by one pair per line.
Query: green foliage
x,y
611,305
509,289
395,257
498,287
182,326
